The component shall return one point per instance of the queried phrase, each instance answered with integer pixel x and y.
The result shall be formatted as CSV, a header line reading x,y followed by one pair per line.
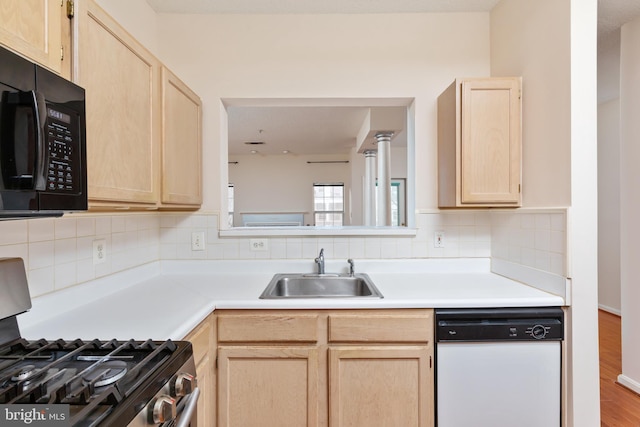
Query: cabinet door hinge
x,y
61,53
70,9
216,362
519,188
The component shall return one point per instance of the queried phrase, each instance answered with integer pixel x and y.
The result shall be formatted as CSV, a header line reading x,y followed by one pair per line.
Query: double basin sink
x,y
317,285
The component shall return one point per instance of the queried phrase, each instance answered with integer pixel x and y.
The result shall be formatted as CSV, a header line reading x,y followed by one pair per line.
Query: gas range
x,y
89,383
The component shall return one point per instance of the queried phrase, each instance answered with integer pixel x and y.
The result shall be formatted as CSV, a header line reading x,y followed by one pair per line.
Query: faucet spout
x,y
320,262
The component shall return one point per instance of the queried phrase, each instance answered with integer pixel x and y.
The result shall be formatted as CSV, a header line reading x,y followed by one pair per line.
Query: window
x,y
230,196
398,202
328,204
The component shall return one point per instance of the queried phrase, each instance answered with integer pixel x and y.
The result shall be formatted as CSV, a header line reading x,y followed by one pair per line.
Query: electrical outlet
x,y
99,251
438,239
259,244
197,241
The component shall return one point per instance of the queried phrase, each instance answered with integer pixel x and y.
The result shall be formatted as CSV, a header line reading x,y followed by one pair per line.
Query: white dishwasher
x,y
499,367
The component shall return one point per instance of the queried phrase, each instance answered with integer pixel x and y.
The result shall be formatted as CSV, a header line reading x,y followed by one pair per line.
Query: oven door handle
x,y
189,408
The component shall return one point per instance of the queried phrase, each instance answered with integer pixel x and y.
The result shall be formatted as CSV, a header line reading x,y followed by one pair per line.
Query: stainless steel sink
x,y
320,286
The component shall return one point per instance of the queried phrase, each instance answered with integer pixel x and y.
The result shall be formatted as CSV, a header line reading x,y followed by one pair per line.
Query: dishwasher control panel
x,y
500,324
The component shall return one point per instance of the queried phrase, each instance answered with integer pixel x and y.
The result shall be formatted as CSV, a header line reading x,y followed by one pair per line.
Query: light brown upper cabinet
x,y
181,142
39,30
144,125
480,143
122,83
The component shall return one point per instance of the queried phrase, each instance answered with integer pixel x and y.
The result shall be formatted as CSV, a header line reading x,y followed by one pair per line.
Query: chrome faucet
x,y
320,262
351,267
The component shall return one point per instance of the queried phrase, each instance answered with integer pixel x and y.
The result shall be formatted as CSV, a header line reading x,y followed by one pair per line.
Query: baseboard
x,y
611,310
629,383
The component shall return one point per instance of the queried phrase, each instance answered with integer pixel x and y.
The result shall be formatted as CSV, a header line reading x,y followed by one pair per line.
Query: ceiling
x,y
315,6
611,13
311,130
298,129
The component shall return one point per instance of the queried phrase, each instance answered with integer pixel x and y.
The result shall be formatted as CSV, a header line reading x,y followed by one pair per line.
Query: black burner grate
x,y
85,375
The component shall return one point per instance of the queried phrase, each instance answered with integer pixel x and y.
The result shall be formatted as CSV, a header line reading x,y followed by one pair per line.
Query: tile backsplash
x,y
466,234
533,238
58,253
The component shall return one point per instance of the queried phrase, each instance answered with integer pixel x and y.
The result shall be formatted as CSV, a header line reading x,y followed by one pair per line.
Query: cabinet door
x,y
181,142
267,386
201,339
206,413
380,386
122,82
490,141
35,28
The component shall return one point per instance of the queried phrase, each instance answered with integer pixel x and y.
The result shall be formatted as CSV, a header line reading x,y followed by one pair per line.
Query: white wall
x,y
324,56
630,202
283,183
139,19
609,171
609,66
255,177
609,205
519,47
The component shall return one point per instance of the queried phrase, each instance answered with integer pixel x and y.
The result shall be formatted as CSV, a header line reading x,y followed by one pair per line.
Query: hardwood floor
x,y
619,406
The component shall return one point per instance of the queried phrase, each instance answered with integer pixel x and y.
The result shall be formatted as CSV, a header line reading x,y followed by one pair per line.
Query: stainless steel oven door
x,y
168,410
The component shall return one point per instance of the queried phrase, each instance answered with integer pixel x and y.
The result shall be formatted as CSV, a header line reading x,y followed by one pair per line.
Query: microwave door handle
x,y
36,177
40,117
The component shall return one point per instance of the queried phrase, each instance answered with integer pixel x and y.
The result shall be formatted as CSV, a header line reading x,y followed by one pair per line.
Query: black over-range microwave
x,y
43,168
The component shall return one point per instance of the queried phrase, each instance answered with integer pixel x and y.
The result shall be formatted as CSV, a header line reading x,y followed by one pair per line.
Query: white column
x,y
384,177
369,208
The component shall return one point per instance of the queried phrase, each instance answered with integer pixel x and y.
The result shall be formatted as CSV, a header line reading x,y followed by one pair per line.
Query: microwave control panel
x,y
63,149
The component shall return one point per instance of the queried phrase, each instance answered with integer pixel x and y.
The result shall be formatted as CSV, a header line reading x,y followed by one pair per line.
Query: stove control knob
x,y
164,409
183,384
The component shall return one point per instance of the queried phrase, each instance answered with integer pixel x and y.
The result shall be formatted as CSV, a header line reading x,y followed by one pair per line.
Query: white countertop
x,y
167,299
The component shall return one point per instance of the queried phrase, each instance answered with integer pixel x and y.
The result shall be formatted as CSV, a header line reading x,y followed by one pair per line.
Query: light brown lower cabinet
x,y
379,386
268,386
335,368
202,338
